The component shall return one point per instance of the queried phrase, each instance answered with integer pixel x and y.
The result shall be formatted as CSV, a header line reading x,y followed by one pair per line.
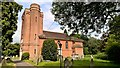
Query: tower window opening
x,y
34,51
35,19
35,37
66,45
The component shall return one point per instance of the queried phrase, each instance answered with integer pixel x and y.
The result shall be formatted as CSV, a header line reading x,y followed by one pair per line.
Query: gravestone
x,y
13,56
16,56
0,59
91,62
72,62
3,63
60,57
40,59
66,63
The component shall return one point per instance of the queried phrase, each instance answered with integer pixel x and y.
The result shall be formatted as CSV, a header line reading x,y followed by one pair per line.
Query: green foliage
x,y
82,17
113,48
84,37
113,40
76,36
115,27
9,17
83,63
25,56
86,51
49,50
13,49
93,45
113,53
101,56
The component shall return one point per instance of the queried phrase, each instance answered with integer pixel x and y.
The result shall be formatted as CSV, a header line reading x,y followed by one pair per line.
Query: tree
x,y
83,17
49,50
93,45
113,40
113,48
14,49
9,17
115,27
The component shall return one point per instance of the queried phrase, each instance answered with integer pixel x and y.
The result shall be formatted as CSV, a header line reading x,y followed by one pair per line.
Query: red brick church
x,y
33,36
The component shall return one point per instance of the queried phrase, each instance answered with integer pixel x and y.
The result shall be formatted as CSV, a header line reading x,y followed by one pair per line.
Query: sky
x,y
48,18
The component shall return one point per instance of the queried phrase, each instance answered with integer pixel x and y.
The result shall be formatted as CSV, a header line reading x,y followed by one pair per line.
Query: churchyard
x,y
79,18
82,63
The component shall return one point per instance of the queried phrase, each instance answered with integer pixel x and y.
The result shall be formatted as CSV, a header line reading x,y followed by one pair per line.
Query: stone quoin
x,y
33,36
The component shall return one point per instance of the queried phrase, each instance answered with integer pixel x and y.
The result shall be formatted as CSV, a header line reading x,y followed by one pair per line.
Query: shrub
x,y
101,56
49,50
25,56
113,53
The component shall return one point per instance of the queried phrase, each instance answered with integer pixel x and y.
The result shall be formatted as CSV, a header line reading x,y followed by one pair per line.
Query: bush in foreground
x,y
25,56
49,50
113,53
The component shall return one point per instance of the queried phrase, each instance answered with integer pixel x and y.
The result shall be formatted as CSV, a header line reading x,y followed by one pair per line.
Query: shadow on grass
x,y
96,64
85,63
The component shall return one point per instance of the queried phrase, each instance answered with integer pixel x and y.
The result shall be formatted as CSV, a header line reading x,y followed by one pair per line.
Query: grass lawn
x,y
83,63
51,63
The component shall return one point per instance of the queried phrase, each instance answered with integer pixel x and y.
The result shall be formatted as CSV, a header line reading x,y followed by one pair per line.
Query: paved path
x,y
21,64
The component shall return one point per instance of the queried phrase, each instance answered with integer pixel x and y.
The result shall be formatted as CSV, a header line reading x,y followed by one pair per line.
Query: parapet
x,y
34,6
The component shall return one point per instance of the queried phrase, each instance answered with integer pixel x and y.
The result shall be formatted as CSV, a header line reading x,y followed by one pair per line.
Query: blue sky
x,y
48,18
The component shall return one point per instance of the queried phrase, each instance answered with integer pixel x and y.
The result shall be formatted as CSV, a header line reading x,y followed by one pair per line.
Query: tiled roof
x,y
54,34
58,36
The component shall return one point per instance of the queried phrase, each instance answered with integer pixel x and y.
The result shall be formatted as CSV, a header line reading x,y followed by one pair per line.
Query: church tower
x,y
33,36
32,26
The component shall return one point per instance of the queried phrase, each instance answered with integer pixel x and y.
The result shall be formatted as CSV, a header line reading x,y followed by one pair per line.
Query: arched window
x,y
66,46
